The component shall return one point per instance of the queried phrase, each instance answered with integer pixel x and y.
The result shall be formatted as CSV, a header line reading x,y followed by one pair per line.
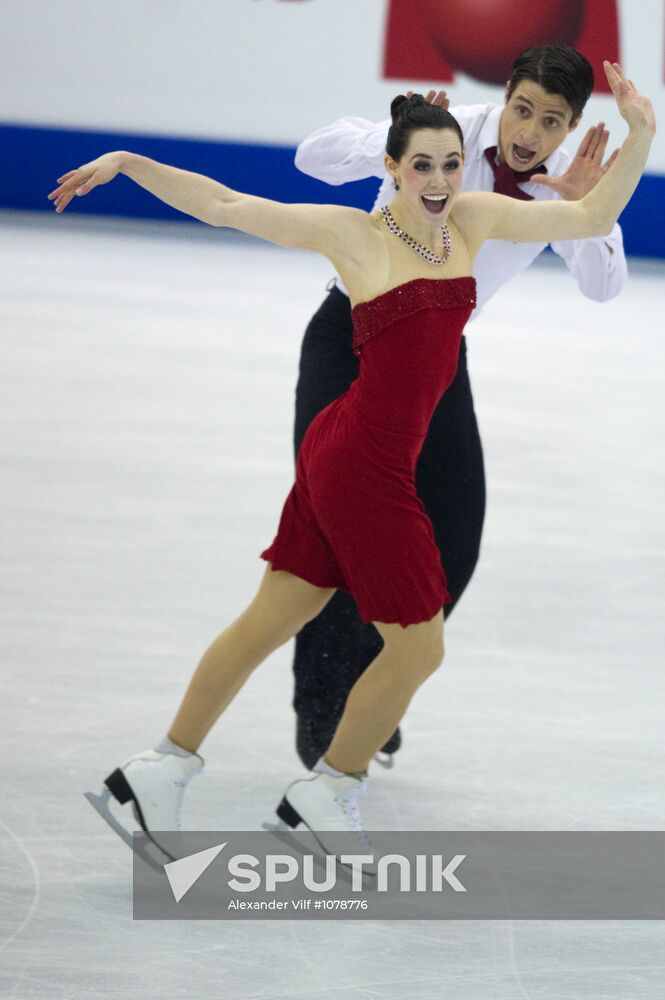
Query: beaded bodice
x,y
408,341
370,318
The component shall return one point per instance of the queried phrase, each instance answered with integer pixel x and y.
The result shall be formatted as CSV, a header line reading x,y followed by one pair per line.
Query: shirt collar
x,y
489,133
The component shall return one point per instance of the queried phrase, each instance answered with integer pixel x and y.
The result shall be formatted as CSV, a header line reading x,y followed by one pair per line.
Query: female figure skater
x,y
353,519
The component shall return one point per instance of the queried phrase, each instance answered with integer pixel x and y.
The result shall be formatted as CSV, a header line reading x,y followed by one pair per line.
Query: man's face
x,y
533,123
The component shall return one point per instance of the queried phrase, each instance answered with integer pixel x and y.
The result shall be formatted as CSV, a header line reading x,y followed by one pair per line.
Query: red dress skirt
x,y
353,519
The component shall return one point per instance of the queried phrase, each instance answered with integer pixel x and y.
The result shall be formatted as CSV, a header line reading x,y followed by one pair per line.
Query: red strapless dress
x,y
353,519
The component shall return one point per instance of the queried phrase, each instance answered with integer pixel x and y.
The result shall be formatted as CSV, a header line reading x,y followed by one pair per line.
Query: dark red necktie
x,y
506,179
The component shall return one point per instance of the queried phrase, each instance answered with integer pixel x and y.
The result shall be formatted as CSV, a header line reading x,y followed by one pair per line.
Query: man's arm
x,y
350,149
494,216
598,265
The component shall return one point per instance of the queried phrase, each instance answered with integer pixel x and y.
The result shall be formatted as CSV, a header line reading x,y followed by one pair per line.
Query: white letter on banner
x,y
308,873
447,873
273,876
404,871
421,873
236,868
356,861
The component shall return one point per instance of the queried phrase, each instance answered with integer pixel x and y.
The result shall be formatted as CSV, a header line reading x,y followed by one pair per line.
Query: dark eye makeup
x,y
423,165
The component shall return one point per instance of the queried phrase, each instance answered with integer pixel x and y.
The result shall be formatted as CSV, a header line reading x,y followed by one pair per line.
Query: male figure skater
x,y
514,149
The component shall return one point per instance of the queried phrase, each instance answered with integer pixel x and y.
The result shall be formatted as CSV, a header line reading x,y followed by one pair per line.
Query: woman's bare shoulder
x,y
363,262
361,232
473,213
353,218
354,229
468,205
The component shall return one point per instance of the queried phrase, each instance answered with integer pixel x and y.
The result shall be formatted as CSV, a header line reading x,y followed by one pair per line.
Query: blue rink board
x,y
31,158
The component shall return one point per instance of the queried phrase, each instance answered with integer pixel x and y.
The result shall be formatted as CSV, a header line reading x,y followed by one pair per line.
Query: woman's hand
x,y
81,181
636,110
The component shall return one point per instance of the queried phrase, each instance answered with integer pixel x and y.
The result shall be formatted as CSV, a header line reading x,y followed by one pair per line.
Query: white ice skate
x,y
326,805
154,783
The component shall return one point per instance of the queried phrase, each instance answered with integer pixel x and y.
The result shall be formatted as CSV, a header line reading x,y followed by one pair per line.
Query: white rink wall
x,y
244,70
180,82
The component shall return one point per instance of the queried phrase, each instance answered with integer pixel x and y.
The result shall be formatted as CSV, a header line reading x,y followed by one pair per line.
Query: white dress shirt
x,y
353,148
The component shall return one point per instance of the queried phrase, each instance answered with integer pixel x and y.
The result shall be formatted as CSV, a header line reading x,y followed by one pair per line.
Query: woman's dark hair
x,y
412,113
559,70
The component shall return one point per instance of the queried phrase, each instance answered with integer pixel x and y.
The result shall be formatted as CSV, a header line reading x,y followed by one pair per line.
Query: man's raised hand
x,y
438,97
586,168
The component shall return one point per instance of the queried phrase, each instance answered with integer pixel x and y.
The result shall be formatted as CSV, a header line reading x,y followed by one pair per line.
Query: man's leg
x,y
332,650
450,480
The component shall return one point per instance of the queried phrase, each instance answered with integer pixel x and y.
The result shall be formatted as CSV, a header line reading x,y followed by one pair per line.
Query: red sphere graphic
x,y
482,37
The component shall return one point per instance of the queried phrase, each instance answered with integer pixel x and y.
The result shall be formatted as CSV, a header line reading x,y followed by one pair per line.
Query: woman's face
x,y
429,174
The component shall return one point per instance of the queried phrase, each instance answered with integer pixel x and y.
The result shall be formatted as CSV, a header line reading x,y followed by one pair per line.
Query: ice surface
x,y
146,389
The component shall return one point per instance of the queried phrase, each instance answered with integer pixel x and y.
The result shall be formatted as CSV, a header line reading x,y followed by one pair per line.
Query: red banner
x,y
431,39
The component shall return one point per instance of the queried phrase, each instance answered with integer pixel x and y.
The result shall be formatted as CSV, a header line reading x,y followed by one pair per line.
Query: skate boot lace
x,y
181,785
349,804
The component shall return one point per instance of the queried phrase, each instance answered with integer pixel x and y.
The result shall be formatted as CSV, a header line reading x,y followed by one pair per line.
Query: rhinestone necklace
x,y
419,248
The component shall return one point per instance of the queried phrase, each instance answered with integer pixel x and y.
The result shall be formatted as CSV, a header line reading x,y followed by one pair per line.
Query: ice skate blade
x,y
386,760
142,848
280,827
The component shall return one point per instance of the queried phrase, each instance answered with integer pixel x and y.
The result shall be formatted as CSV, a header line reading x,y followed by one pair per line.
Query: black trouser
x,y
334,649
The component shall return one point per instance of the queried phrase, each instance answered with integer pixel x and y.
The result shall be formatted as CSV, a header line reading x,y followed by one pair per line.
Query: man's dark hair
x,y
559,70
412,113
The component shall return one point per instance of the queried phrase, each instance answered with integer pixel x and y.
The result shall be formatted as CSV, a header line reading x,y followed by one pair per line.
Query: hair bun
x,y
401,105
395,106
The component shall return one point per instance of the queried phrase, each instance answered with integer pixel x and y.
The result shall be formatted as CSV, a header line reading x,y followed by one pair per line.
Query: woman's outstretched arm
x,y
491,216
327,229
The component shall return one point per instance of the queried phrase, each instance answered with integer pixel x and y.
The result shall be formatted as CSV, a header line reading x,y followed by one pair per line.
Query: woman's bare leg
x,y
283,604
381,695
